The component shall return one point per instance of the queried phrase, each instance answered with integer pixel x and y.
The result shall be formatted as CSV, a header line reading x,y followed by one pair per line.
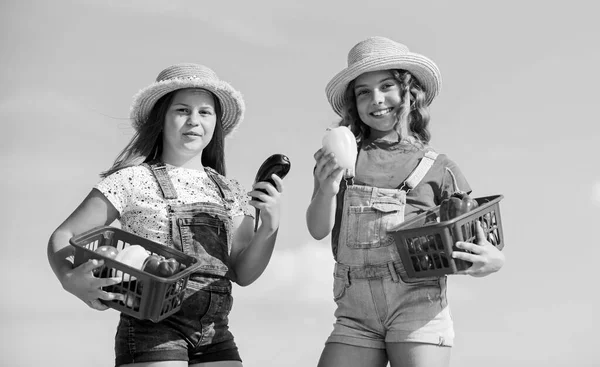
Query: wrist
x,y
325,195
268,227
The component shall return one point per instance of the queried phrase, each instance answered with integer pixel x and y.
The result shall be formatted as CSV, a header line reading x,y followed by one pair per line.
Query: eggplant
x,y
278,164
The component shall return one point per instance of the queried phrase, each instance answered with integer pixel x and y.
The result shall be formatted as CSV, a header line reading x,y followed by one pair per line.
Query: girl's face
x,y
378,100
189,123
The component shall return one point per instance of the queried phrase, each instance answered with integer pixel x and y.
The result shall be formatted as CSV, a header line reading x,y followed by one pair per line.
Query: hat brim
x,y
422,68
232,103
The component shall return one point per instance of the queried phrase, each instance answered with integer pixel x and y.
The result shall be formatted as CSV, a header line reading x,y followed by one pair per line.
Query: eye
x,y
362,92
387,86
206,112
183,110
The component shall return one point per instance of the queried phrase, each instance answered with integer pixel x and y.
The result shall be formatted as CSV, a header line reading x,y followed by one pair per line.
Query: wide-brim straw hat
x,y
188,75
380,53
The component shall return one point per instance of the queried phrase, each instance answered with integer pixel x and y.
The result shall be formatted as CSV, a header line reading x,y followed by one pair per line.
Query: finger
x,y
480,234
103,282
278,183
267,186
264,203
107,296
323,164
318,154
90,265
330,171
337,173
97,305
468,246
465,256
258,196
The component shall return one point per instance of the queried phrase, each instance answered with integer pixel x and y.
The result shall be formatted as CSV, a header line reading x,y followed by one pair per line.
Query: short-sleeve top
x,y
136,195
387,164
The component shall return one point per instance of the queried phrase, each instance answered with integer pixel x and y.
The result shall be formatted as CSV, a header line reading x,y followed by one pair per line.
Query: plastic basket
x,y
147,296
425,244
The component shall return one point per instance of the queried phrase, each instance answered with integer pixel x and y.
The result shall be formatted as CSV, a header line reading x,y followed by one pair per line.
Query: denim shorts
x,y
380,305
197,333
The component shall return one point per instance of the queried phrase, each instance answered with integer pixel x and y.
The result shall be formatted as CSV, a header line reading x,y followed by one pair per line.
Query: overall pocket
x,y
368,225
215,321
205,238
339,287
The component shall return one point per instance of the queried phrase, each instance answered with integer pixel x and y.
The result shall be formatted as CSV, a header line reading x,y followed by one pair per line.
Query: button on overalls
x,y
376,302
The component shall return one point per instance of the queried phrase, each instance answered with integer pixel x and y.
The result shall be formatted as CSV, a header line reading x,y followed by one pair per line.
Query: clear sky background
x,y
516,112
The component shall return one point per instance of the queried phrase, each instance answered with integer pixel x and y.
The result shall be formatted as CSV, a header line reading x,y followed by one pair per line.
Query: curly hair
x,y
147,143
418,116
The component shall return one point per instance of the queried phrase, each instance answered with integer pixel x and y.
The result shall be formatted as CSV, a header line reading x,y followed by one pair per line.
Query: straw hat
x,y
189,75
380,53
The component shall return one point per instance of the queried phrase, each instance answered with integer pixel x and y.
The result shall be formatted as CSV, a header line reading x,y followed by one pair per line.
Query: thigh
x,y
418,355
218,364
344,355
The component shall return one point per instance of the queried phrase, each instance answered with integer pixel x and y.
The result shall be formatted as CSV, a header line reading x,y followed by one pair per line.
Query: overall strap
x,y
223,187
159,169
420,171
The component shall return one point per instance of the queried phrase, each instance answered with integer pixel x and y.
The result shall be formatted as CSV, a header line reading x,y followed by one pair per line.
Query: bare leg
x,y
344,355
418,355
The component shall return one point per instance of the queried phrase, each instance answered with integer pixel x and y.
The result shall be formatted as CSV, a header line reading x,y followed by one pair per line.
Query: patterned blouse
x,y
135,194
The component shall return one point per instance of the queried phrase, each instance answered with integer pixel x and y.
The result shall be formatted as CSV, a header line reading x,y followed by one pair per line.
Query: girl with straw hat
x,y
382,315
168,185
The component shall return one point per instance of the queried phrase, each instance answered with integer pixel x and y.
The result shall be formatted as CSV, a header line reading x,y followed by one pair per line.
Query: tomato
x,y
107,251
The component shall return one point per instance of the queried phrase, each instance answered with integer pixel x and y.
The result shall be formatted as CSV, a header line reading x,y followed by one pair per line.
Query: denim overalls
x,y
202,230
376,302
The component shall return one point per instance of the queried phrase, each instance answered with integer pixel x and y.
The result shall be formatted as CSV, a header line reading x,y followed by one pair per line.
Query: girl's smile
x,y
382,112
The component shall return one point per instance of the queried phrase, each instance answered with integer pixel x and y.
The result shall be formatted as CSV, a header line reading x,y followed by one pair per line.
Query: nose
x,y
378,97
194,119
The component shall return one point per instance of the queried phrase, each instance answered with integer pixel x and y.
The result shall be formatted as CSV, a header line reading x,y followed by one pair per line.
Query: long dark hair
x,y
418,116
147,142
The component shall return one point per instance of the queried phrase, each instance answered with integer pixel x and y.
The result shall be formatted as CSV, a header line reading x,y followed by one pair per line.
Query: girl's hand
x,y
84,285
327,172
271,201
486,258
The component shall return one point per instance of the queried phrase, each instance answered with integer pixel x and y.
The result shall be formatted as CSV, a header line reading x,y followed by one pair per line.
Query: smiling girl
x,y
383,316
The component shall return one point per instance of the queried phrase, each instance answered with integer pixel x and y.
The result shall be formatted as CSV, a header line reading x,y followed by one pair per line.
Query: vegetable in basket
x,y
107,251
456,205
133,256
162,267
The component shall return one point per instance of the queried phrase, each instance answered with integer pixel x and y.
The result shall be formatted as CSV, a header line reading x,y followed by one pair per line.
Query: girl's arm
x,y
251,251
320,215
94,211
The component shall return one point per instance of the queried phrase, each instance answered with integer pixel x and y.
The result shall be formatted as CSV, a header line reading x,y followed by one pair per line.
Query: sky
x,y
515,113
